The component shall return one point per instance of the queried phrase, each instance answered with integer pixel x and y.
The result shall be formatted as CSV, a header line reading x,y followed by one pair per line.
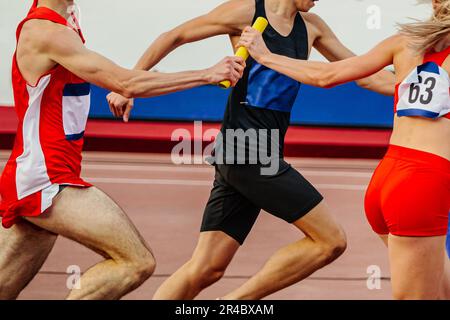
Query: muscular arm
x,y
332,48
63,46
229,18
321,74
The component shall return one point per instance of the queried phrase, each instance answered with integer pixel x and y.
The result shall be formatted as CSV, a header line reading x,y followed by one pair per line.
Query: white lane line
x,y
353,174
178,169
202,183
159,168
169,182
351,187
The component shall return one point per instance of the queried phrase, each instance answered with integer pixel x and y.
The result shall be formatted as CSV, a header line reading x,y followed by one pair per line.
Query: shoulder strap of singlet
x,y
437,57
260,10
45,13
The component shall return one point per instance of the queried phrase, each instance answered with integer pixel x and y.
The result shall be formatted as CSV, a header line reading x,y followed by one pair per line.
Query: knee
x,y
334,247
205,274
145,267
139,270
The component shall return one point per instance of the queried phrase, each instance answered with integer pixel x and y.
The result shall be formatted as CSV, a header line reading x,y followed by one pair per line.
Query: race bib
x,y
425,92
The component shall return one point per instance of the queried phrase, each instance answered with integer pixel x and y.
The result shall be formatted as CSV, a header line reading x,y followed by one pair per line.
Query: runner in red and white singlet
x,y
51,73
47,152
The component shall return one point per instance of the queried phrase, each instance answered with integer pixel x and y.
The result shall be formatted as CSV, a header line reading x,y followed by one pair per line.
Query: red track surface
x,y
108,135
166,203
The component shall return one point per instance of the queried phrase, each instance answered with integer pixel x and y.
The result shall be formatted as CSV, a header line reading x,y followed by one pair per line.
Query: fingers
x,y
235,69
239,66
117,104
245,41
249,29
126,114
247,37
235,77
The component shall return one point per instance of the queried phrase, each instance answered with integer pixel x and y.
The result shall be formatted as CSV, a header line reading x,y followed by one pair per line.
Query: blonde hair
x,y
425,35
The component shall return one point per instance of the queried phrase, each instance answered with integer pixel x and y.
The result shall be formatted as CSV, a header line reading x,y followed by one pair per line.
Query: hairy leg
x,y
91,218
24,249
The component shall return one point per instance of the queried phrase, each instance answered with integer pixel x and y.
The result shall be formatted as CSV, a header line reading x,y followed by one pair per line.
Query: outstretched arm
x,y
321,74
229,18
328,44
64,47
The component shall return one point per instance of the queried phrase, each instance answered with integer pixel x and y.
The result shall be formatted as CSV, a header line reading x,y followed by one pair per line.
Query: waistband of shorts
x,y
418,156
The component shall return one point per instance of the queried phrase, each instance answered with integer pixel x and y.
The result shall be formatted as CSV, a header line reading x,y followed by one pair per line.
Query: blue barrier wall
x,y
346,105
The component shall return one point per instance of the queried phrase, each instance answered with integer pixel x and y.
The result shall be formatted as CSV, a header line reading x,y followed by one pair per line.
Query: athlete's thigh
x,y
23,249
286,194
320,224
228,210
215,249
417,265
90,217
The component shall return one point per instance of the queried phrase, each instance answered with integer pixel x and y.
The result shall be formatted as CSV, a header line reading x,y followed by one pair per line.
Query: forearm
x,y
149,84
382,82
160,48
135,83
308,72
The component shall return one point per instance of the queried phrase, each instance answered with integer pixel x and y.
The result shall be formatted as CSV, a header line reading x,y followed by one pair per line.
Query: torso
x,y
52,105
429,135
263,98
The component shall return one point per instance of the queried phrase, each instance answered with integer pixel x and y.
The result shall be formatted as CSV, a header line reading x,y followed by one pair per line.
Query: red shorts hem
x,y
31,206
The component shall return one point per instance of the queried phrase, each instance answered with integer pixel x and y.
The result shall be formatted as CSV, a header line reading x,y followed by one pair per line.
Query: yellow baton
x,y
260,25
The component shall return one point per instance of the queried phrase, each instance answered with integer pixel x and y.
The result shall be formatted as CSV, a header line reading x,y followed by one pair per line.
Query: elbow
x,y
324,79
324,83
364,83
128,89
173,37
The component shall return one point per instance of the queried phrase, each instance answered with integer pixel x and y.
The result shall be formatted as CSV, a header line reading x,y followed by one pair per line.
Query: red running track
x,y
166,204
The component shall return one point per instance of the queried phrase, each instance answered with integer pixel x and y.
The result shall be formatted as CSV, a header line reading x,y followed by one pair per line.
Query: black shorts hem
x,y
236,237
306,209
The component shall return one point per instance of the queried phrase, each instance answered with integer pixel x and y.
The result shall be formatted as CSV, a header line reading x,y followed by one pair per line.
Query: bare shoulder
x,y
315,24
239,5
43,34
238,13
397,42
314,20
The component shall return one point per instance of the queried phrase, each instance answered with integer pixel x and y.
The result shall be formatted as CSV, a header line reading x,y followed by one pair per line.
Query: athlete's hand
x,y
254,42
230,68
120,106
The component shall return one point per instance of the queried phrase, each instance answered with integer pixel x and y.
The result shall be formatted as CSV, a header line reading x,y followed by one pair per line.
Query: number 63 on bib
x,y
425,92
